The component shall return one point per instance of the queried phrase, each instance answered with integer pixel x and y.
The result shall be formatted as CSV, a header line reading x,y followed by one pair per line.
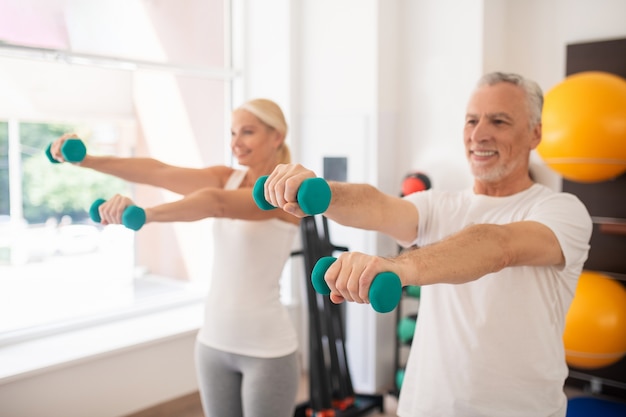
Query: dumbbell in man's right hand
x,y
313,195
384,293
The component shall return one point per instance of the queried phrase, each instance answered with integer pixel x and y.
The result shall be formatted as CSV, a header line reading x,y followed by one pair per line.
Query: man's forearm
x,y
463,257
365,207
479,250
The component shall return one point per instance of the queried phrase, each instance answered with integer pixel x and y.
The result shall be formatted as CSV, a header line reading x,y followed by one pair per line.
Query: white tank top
x,y
243,312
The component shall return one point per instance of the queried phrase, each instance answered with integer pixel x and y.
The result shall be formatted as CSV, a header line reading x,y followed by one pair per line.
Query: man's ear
x,y
536,136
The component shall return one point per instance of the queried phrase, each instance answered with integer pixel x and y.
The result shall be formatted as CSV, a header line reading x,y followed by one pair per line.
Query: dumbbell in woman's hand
x,y
384,293
73,150
313,195
133,217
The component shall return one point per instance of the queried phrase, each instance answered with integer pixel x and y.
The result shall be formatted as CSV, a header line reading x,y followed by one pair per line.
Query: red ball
x,y
415,182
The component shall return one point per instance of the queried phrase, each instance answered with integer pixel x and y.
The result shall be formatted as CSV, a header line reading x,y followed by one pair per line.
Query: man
x,y
498,265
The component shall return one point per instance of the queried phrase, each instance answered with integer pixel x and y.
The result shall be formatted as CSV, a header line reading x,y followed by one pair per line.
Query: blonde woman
x,y
246,352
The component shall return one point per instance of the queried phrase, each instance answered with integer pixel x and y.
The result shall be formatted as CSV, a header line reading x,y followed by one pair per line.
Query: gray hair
x,y
534,94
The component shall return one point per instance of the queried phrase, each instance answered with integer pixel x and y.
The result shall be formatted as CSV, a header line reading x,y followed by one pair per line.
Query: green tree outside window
x,y
54,190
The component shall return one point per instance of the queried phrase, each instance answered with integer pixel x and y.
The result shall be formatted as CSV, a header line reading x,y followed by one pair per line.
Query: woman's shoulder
x,y
220,169
221,174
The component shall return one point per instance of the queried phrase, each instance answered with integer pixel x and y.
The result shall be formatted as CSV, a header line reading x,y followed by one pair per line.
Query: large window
x,y
55,263
131,78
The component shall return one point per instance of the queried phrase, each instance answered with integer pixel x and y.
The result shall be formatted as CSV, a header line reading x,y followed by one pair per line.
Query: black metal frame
x,y
330,385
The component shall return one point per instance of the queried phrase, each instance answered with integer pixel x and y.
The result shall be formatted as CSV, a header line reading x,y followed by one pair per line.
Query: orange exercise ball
x,y
595,326
584,127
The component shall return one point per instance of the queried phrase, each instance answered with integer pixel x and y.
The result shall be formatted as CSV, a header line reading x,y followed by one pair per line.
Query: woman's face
x,y
252,142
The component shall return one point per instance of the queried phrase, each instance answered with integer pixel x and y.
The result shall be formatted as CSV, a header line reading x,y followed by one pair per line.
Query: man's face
x,y
497,135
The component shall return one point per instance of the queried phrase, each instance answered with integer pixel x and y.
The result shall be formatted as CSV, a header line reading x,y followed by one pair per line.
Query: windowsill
x,y
28,358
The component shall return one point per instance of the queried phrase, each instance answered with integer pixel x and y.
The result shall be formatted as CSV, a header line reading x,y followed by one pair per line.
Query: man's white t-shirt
x,y
493,347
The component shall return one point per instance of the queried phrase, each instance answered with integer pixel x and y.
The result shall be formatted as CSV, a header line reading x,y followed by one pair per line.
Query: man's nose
x,y
481,131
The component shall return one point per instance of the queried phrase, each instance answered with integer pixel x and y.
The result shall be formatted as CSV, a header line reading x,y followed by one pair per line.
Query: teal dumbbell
x,y
133,217
414,291
406,328
313,195
73,150
399,378
385,291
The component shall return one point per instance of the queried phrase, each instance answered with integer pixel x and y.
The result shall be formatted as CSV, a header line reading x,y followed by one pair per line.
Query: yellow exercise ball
x,y
595,326
584,127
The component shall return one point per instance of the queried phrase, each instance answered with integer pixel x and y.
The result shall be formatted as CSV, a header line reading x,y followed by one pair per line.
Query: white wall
x,y
105,370
264,52
442,51
111,385
535,33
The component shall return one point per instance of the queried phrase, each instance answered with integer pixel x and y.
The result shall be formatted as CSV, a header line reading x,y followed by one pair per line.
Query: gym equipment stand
x,y
330,385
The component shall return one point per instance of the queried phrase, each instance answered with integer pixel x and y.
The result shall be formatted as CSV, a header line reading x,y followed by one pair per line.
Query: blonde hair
x,y
270,114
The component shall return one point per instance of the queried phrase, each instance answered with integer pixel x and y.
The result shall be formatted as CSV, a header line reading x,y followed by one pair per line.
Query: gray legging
x,y
235,385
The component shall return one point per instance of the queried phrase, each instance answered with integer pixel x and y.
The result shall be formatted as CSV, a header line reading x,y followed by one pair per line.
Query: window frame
x,y
232,82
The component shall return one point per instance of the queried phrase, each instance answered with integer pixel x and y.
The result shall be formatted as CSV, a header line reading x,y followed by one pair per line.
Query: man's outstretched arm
x,y
356,205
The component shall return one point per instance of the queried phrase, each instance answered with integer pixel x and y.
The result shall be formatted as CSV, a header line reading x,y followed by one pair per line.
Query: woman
x,y
246,351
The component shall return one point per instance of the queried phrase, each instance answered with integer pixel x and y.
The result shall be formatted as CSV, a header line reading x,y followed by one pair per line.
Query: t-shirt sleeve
x,y
570,221
435,208
421,201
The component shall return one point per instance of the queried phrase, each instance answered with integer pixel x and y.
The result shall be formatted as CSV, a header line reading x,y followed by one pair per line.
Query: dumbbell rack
x,y
330,385
407,308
